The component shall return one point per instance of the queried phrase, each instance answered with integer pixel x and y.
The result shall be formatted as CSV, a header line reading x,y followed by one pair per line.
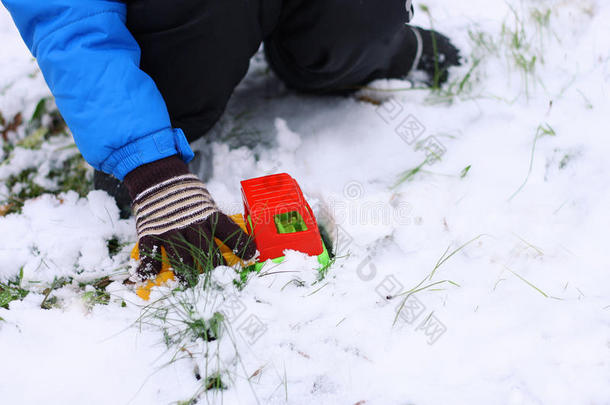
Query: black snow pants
x,y
197,51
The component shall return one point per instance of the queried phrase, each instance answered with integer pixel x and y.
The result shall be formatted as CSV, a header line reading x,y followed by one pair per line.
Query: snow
x,y
525,318
64,356
53,236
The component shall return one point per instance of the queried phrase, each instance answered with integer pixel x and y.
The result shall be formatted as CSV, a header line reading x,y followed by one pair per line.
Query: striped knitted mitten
x,y
173,209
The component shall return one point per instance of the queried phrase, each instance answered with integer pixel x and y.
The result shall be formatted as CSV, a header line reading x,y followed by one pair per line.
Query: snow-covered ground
x,y
496,253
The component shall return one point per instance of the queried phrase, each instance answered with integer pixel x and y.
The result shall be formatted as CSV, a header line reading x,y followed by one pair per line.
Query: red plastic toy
x,y
279,217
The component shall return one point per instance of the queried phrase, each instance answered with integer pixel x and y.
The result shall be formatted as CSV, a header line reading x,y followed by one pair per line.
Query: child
x,y
137,80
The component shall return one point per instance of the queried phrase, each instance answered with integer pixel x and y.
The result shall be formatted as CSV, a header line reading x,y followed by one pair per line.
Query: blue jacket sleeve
x,y
90,61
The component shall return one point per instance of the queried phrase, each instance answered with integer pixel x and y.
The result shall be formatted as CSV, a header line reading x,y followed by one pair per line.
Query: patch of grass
x,y
542,130
33,140
519,42
243,276
179,317
191,320
191,316
465,171
21,187
545,295
541,17
588,104
542,22
12,290
457,88
98,283
447,256
94,292
45,122
115,246
74,174
190,335
565,160
408,175
187,402
208,330
95,297
323,270
49,301
463,86
422,286
214,382
46,116
483,43
10,126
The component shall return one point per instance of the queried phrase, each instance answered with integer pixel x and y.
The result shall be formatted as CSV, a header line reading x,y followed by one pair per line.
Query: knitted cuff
x,y
172,204
150,174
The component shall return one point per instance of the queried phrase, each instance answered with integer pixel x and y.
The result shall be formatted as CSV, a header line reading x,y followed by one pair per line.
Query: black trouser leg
x,y
197,51
339,45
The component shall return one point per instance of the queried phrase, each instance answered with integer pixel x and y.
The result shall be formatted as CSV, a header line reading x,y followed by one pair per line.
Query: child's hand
x,y
173,209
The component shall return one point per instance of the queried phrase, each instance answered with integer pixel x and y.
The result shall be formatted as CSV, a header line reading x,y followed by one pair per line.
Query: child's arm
x,y
121,125
91,63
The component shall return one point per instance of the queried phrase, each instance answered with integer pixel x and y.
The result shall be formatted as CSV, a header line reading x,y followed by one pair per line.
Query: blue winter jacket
x,y
91,63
